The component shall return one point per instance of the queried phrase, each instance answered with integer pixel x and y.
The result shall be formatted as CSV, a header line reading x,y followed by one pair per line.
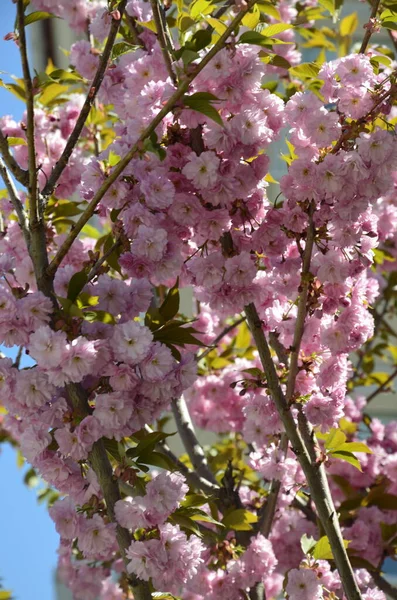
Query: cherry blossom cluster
x,y
192,207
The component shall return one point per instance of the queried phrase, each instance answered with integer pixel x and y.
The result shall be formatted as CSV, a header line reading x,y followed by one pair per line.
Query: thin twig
x,y
314,472
95,269
268,511
32,166
161,36
384,585
15,201
122,164
12,165
219,338
191,477
382,388
89,101
302,307
369,30
189,439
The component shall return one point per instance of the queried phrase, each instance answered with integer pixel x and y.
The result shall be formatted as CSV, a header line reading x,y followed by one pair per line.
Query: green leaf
x,y
148,443
170,307
355,447
348,25
217,25
239,520
251,19
322,549
76,284
307,544
185,522
16,141
38,15
5,595
202,104
156,459
200,40
70,308
275,29
305,71
333,439
201,7
389,25
348,457
100,316
91,232
254,37
243,338
113,448
192,500
122,48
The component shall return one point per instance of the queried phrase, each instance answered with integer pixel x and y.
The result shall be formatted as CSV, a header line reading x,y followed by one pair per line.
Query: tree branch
x,y
32,166
302,306
12,165
89,101
314,472
189,439
369,31
191,477
384,585
219,338
162,39
99,460
121,165
96,267
15,201
382,388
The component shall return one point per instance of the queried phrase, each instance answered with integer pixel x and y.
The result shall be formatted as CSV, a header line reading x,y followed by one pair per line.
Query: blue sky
x,y
28,537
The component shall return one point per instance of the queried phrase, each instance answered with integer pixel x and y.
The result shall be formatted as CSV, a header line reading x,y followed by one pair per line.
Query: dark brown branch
x,y
219,338
369,31
384,585
314,472
302,307
12,165
121,165
191,477
189,439
99,460
89,101
15,201
382,388
34,216
97,266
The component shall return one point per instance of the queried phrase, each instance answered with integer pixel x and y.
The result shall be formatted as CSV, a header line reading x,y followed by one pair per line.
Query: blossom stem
x,y
15,201
189,439
314,471
12,165
122,164
369,31
219,338
162,39
88,103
